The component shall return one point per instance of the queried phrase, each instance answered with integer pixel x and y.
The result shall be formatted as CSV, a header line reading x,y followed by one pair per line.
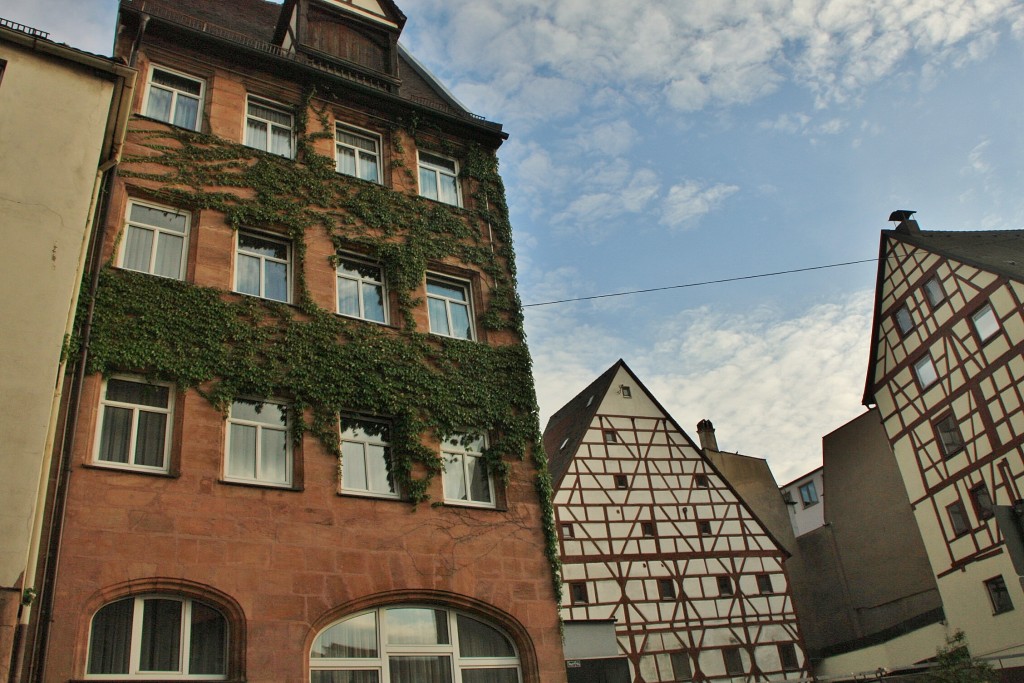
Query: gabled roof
x,y
998,251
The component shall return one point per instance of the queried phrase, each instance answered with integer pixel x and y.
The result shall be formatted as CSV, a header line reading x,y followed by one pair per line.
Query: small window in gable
x,y
764,584
733,661
681,670
725,587
568,531
626,391
702,481
934,292
958,518
950,438
982,502
666,589
578,593
985,322
610,436
647,529
999,595
704,527
904,321
788,658
621,481
924,370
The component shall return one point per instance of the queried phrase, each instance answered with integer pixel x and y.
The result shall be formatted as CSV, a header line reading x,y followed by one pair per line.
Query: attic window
x,y
610,436
702,481
626,391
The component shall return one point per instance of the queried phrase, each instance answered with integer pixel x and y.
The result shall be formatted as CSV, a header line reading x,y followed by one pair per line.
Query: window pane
x,y
346,161
454,478
355,637
149,442
479,481
926,373
270,114
373,302
417,626
420,669
440,162
490,676
274,456
186,112
242,458
248,281
477,639
985,322
460,321
168,255
428,183
281,141
208,641
256,134
159,105
276,286
272,414
168,220
438,316
110,640
378,473
449,193
368,167
443,289
263,247
116,434
138,249
138,393
160,647
344,676
353,466
348,297
181,83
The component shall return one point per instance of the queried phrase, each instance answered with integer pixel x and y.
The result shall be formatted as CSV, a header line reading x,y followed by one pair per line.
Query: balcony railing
x,y
22,28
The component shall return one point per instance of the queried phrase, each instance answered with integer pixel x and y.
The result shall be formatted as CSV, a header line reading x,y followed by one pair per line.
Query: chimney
x,y
907,225
706,434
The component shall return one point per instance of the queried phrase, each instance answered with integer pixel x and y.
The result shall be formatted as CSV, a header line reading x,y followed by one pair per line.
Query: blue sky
x,y
661,142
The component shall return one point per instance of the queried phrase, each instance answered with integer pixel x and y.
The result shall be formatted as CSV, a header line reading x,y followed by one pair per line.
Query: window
x,y
174,98
904,321
681,671
958,518
258,448
626,391
262,267
621,481
809,494
439,179
934,291
466,479
725,588
647,529
361,290
568,531
733,661
982,501
702,481
134,419
950,438
924,370
609,436
578,593
156,635
704,527
985,322
268,127
357,154
448,304
365,458
666,589
787,655
155,241
413,643
764,584
999,595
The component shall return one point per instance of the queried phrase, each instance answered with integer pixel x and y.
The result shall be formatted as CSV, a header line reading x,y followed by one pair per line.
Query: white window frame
x,y
456,453
167,412
985,322
138,608
367,440
467,288
438,170
357,151
263,261
809,488
386,650
157,230
280,109
258,480
360,281
924,369
175,95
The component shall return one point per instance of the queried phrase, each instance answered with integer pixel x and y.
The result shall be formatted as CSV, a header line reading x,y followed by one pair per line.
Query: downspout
x,y
89,258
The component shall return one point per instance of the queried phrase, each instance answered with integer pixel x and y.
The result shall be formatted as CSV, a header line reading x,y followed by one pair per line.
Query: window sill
x,y
357,319
471,505
369,495
260,485
114,467
168,124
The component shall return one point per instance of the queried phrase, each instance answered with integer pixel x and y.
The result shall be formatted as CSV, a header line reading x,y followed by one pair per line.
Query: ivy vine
x,y
225,346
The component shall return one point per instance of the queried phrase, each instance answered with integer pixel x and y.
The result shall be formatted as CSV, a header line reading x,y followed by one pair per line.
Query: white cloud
x,y
976,162
691,199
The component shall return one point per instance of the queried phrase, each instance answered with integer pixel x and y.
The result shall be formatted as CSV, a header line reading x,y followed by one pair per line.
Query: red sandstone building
x,y
299,443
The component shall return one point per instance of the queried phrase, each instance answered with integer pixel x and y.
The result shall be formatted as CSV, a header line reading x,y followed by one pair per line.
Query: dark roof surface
x,y
255,18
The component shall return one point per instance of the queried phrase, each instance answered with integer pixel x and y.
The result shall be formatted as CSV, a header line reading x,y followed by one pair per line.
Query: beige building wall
x,y
54,110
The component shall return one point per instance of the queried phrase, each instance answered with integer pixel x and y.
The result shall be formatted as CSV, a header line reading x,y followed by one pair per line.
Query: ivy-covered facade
x,y
304,402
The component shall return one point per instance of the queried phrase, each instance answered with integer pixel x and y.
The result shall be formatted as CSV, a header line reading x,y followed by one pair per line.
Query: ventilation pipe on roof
x,y
906,224
706,434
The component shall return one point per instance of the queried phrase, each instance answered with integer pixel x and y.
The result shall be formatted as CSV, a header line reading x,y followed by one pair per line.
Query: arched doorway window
x,y
413,644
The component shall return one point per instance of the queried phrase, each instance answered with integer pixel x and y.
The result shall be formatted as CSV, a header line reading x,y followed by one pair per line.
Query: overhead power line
x,y
700,284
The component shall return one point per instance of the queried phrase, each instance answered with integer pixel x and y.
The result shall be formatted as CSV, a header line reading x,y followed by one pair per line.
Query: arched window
x,y
158,636
413,643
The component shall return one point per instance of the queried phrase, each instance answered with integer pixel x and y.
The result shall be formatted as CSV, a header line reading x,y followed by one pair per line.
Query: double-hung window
x,y
466,479
134,425
357,154
365,459
448,303
268,127
361,291
174,98
439,179
262,266
259,449
155,240
158,636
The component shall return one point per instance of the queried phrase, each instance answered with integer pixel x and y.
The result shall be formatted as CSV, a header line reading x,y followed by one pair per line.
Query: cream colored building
x,y
946,370
62,115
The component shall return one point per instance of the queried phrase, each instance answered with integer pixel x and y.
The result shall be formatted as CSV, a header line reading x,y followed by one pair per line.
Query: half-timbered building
x,y
656,541
945,371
